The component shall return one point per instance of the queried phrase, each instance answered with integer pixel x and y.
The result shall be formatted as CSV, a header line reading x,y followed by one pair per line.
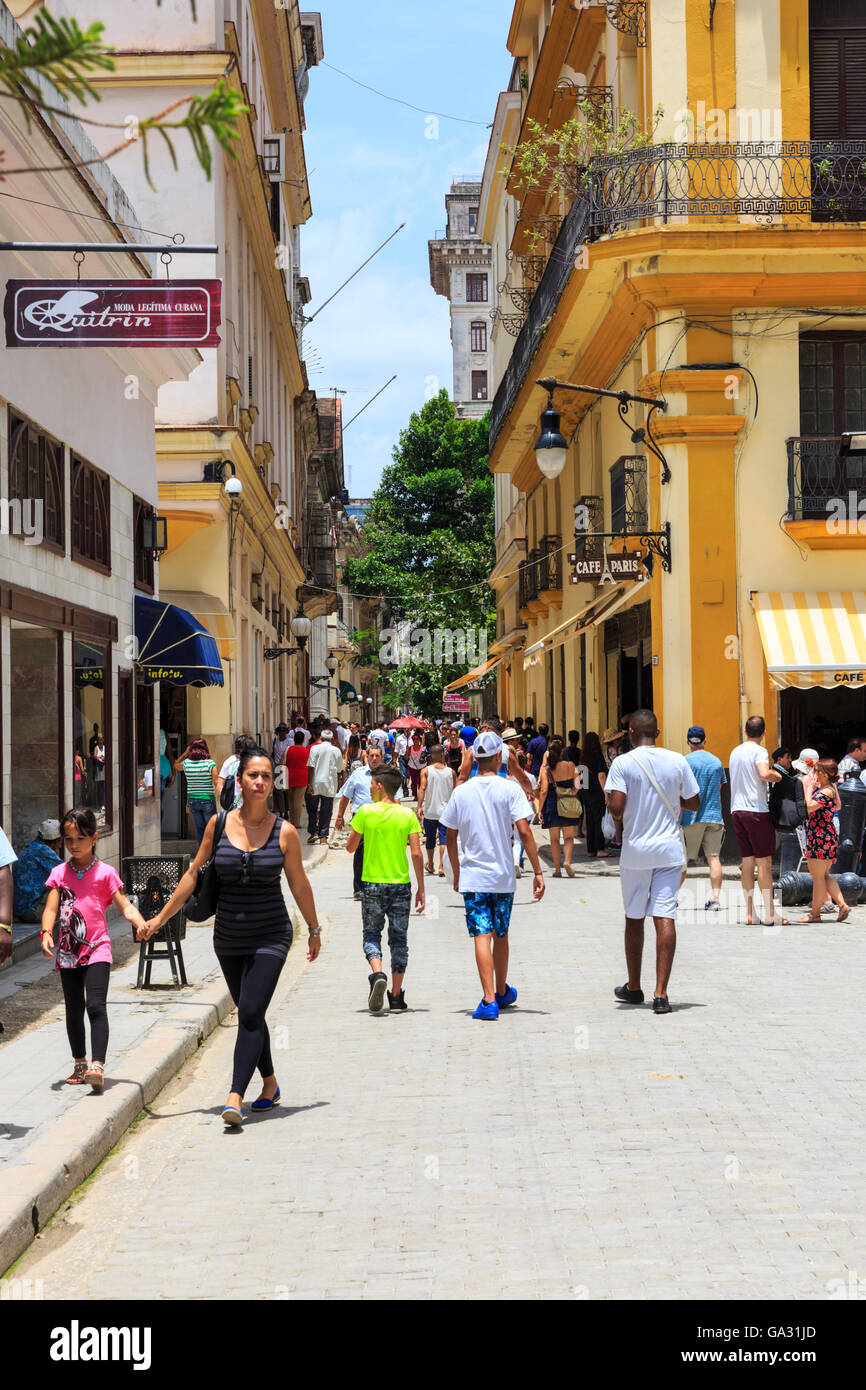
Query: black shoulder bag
x,y
203,903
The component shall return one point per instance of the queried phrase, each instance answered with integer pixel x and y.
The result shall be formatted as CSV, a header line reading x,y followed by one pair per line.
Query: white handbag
x,y
667,805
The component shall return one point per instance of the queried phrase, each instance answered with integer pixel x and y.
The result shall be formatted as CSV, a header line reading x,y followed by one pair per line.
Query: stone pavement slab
x,y
575,1148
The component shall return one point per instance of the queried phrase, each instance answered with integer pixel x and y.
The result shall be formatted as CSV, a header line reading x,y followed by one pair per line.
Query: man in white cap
x,y
484,811
324,774
35,863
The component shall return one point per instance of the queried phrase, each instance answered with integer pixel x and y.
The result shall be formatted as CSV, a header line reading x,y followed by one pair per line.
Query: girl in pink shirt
x,y
80,890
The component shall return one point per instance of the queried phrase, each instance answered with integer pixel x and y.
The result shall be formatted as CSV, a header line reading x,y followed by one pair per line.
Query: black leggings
x,y
86,986
251,980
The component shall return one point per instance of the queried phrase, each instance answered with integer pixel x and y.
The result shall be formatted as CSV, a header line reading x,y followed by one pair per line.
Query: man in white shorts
x,y
647,788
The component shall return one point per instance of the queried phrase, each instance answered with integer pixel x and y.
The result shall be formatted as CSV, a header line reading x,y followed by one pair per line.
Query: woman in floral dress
x,y
822,839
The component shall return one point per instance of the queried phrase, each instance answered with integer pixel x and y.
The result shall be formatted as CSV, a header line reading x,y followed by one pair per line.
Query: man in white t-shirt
x,y
341,735
750,774
324,774
379,737
484,813
647,788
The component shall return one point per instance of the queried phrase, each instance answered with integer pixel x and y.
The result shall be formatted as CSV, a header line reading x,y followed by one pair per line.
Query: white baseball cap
x,y
487,744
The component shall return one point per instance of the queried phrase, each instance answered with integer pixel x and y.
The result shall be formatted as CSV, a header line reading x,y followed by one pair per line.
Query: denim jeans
x,y
394,901
201,811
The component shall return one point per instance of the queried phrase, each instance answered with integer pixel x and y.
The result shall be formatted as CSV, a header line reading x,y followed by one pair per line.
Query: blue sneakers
x,y
487,1010
509,997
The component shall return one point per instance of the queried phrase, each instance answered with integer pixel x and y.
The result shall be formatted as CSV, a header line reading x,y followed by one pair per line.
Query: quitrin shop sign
x,y
92,313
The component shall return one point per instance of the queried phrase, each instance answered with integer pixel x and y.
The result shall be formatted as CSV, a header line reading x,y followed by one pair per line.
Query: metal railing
x,y
629,504
527,580
763,179
550,564
821,480
753,181
572,234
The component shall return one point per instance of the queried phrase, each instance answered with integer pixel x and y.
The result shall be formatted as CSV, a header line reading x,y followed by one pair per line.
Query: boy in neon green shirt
x,y
386,889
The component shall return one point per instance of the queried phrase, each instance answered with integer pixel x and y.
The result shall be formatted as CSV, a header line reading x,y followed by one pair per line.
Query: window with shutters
x,y
91,513
837,63
479,336
36,480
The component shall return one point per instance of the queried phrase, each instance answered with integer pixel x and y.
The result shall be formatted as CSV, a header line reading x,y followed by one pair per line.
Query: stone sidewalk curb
x,y
32,1192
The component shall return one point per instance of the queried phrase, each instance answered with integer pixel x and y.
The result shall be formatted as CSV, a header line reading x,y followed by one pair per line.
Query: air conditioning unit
x,y
274,156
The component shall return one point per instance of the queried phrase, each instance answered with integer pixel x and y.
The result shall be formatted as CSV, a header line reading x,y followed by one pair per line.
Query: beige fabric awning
x,y
484,669
212,613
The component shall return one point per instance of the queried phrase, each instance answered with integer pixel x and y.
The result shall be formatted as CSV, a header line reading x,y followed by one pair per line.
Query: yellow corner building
x,y
720,269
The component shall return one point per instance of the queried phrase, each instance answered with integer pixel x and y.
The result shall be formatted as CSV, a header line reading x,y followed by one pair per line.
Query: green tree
x,y
61,53
431,549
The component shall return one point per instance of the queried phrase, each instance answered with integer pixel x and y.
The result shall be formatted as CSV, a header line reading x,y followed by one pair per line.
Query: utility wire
x,y
425,110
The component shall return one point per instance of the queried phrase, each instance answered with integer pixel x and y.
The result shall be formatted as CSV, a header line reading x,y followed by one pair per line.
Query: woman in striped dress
x,y
252,930
199,768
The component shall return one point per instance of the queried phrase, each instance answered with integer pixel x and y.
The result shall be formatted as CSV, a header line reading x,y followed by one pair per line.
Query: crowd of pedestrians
x,y
445,798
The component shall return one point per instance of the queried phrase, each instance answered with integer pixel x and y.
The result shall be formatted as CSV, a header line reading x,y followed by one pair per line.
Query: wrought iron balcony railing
x,y
629,504
821,480
527,580
550,564
588,520
762,179
754,181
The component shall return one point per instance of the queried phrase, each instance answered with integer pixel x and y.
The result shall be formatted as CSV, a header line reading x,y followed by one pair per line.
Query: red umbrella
x,y
408,721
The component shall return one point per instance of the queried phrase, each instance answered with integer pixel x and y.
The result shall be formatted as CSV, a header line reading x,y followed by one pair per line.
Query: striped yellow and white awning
x,y
816,638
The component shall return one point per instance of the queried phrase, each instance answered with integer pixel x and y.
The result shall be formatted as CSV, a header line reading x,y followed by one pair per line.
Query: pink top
x,y
92,893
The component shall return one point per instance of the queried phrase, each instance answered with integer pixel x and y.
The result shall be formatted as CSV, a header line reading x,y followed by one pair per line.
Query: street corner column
x,y
700,608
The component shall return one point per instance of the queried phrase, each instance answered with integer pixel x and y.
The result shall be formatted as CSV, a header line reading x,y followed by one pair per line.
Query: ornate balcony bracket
x,y
629,17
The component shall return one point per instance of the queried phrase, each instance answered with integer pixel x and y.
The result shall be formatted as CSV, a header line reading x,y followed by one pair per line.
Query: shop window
x,y
144,742
36,744
91,516
36,480
91,752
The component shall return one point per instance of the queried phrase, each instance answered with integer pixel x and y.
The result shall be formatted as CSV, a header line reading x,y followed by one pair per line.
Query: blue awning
x,y
173,646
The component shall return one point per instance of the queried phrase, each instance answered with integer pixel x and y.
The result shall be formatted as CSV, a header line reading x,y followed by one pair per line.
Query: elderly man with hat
x,y
35,862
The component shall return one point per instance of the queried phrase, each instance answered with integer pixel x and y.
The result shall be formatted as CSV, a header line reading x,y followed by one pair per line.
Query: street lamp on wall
x,y
154,534
301,627
333,665
550,447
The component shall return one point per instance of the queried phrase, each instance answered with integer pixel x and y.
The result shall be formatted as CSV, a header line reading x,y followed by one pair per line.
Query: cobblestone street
x,y
576,1148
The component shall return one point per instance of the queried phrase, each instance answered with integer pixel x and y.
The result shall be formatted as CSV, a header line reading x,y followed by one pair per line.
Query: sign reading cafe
x,y
608,570
90,313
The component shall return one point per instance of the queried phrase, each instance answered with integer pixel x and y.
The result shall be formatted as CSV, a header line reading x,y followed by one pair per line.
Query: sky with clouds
x,y
373,166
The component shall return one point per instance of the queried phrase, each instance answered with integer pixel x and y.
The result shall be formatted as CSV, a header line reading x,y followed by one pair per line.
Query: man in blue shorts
x,y
484,811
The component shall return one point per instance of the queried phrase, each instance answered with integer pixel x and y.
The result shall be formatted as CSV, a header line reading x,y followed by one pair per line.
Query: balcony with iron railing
x,y
826,493
550,570
754,183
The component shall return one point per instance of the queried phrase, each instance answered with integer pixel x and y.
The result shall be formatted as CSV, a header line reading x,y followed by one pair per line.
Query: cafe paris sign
x,y
607,569
93,313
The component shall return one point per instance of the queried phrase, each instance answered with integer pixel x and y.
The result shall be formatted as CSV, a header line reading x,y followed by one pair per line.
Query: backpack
x,y
788,803
229,792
